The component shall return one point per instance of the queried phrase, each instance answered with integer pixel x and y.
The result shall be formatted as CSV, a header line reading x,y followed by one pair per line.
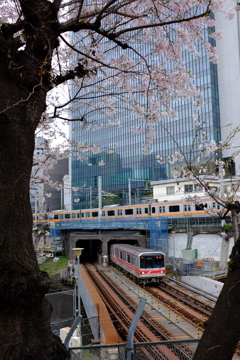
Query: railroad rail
x,y
123,307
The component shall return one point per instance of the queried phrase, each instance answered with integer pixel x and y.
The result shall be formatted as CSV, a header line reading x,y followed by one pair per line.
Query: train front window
x,y
152,262
146,262
158,261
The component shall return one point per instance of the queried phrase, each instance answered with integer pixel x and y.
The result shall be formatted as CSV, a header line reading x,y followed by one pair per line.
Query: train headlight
x,y
142,272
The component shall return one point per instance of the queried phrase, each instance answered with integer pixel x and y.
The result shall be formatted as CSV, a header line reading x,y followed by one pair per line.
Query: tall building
x,y
43,197
122,150
229,77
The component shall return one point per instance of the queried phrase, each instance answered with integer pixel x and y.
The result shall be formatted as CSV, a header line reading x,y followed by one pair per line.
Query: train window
x,y
121,255
67,216
128,258
146,210
153,210
128,211
73,215
174,208
88,214
111,213
133,260
150,262
146,262
187,207
214,205
162,209
199,207
103,213
119,211
55,217
95,214
82,214
158,261
139,211
61,216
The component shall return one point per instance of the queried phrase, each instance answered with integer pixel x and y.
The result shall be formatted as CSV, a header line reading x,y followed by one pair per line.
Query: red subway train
x,y
145,265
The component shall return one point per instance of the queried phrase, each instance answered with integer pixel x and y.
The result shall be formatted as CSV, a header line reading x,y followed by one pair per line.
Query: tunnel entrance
x,y
91,250
129,241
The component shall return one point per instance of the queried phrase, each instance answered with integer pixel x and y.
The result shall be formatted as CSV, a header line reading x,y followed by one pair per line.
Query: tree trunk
x,y
25,331
222,333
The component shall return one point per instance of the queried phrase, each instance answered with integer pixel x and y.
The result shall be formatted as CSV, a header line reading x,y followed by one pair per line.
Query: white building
x,y
228,50
180,189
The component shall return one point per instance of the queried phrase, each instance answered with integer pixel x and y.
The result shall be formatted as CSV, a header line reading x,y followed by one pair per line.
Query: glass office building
x,y
121,150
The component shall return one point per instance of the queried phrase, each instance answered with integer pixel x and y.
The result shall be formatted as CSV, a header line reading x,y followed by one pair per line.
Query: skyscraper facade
x,y
121,149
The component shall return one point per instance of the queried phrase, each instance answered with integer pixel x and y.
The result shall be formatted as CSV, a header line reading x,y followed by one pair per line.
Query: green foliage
x,y
228,227
229,264
53,268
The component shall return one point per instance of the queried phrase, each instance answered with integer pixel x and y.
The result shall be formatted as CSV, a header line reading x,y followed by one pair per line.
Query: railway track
x,y
186,308
187,303
148,330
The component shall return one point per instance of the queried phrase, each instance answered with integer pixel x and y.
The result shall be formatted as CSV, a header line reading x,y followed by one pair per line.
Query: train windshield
x,y
151,262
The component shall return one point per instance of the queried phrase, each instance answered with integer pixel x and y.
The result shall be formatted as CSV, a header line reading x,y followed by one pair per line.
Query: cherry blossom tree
x,y
108,52
221,335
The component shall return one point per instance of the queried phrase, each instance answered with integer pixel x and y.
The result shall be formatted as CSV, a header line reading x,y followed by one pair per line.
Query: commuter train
x,y
144,264
174,210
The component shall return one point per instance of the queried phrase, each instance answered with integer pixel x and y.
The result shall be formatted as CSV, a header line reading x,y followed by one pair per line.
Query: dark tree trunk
x,y
25,331
222,333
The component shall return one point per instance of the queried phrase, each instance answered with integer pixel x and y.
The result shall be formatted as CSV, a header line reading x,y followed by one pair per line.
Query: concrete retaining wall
x,y
202,283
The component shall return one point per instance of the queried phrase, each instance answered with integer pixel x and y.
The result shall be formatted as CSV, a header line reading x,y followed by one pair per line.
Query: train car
x,y
145,264
175,211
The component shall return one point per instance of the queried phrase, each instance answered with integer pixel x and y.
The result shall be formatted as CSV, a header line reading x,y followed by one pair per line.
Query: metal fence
x,y
206,267
162,350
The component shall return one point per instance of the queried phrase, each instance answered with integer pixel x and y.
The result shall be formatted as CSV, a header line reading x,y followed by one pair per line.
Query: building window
x,y
170,190
188,188
198,187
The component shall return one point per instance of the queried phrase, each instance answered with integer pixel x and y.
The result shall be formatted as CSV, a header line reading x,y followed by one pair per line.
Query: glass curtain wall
x,y
121,150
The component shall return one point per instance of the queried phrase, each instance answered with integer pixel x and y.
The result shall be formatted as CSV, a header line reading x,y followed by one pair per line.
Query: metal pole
x,y
78,284
132,328
129,191
99,196
61,197
35,209
90,197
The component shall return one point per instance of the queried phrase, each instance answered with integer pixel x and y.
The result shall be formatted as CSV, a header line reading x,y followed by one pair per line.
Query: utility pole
x,y
99,197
